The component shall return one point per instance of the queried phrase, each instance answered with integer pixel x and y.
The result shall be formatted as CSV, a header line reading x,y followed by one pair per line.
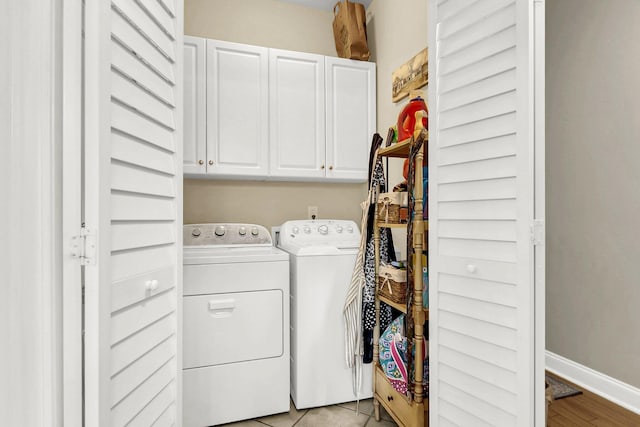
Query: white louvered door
x,y
484,151
133,205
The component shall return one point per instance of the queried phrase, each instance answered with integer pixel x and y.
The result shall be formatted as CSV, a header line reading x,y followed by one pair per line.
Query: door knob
x,y
210,162
151,285
330,168
201,162
322,167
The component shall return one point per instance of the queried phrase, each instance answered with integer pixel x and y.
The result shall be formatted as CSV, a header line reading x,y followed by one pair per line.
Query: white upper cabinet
x,y
259,113
296,114
194,148
237,109
351,117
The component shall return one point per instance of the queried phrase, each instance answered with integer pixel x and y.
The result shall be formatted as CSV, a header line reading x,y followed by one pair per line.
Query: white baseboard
x,y
603,385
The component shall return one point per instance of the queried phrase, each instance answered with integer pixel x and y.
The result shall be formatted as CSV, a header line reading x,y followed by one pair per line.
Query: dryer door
x,y
232,327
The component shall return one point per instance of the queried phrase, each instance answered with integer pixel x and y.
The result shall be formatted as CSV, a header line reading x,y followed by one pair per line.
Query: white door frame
x,y
71,104
30,234
539,209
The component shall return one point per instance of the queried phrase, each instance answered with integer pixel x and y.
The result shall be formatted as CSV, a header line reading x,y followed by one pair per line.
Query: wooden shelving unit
x,y
401,307
405,411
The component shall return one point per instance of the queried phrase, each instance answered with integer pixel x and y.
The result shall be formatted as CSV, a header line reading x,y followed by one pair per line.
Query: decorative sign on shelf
x,y
412,75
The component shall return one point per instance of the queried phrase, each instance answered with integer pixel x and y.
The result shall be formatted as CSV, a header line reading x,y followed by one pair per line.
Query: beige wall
x,y
397,30
266,23
593,184
280,25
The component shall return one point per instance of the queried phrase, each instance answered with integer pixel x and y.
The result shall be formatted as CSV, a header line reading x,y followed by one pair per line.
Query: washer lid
x,y
193,255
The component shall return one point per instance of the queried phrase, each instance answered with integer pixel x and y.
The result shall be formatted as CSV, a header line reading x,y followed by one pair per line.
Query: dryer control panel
x,y
225,234
323,232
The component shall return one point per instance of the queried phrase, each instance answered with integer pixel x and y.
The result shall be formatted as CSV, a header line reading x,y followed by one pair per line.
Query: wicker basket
x,y
392,284
389,206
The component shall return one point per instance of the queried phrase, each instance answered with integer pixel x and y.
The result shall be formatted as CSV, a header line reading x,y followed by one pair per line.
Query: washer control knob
x,y
295,230
339,229
254,231
220,230
196,232
323,229
350,229
307,229
242,231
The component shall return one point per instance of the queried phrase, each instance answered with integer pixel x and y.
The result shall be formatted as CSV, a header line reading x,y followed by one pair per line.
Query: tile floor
x,y
343,415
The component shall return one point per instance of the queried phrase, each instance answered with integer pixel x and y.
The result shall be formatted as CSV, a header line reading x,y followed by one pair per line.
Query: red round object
x,y
407,118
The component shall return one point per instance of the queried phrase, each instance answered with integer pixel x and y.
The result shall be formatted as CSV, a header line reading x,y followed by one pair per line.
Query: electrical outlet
x,y
312,212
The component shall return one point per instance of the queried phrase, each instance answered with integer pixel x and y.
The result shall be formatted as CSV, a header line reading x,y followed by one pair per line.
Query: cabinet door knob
x,y
471,268
210,162
201,162
322,167
330,168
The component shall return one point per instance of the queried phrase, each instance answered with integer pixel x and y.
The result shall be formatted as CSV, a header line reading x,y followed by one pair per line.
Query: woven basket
x,y
389,206
392,284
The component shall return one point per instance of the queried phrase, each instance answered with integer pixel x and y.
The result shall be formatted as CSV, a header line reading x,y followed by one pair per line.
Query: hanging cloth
x,y
353,310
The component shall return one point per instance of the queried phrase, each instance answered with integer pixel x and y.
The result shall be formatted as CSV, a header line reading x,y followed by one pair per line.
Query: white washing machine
x,y
235,324
323,254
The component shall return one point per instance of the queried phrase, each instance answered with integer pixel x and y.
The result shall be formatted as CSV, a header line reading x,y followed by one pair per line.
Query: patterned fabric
x,y
393,357
386,255
393,350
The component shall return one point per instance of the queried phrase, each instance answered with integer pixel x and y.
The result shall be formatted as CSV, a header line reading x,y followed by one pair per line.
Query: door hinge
x,y
537,232
83,246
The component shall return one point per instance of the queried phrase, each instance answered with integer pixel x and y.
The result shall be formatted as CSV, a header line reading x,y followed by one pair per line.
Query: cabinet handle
x,y
330,168
389,398
201,162
210,162
322,167
471,268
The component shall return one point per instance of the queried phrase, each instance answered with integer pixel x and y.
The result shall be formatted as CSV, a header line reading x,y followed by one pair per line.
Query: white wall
x,y
593,184
30,387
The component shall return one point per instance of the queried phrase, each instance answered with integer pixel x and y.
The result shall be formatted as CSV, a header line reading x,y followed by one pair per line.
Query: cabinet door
x,y
486,163
351,103
194,78
296,114
237,109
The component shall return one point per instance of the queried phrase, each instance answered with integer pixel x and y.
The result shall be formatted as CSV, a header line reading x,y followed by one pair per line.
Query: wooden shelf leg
x,y
376,409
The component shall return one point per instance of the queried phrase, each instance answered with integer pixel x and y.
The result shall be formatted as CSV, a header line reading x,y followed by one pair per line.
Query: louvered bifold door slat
x,y
137,85
481,203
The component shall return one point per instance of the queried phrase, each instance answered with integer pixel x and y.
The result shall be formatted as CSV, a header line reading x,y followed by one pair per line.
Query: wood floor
x,y
589,409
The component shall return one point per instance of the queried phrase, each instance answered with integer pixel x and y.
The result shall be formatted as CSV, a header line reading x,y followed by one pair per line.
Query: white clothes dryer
x,y
323,254
235,324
